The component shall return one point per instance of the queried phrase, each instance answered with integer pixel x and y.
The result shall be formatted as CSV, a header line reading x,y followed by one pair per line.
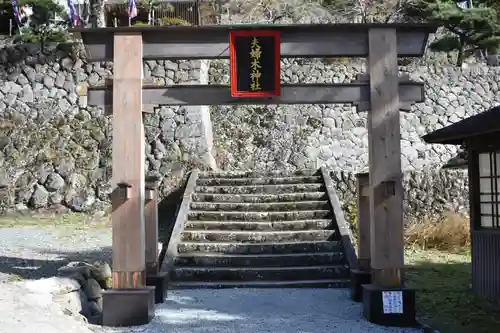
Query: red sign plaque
x,y
255,63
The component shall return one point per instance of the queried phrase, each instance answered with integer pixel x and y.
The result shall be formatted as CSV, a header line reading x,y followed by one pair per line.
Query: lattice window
x,y
489,189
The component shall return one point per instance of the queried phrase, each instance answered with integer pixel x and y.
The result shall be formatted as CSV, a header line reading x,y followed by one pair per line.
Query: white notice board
x,y
392,301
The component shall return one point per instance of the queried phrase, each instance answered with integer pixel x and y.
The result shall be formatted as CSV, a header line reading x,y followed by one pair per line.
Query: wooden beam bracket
x,y
149,193
152,181
383,191
124,190
389,188
362,179
404,106
151,187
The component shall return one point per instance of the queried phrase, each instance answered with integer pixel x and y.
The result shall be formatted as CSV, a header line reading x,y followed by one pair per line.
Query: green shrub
x,y
42,28
172,21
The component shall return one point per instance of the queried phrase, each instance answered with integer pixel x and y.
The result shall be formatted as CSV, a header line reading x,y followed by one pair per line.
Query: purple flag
x,y
132,9
15,11
72,13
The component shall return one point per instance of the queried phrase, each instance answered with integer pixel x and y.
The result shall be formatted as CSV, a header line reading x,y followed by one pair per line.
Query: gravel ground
x,y
26,312
259,311
34,253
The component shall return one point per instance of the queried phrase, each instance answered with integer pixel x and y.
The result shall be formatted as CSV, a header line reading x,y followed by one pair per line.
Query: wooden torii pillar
x,y
153,275
362,274
130,301
386,301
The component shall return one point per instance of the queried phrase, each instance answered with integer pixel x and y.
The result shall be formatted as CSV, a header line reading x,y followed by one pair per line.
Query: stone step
x,y
259,260
260,226
260,248
258,216
257,174
258,181
262,189
260,198
326,283
261,207
208,273
256,236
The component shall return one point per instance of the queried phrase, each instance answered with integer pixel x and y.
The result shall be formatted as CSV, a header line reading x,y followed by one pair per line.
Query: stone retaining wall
x,y
427,193
55,150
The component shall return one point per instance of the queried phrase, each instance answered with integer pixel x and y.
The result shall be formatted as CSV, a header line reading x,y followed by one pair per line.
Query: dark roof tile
x,y
483,123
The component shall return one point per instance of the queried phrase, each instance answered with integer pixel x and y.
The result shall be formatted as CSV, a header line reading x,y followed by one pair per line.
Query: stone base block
x,y
373,306
160,282
358,279
128,307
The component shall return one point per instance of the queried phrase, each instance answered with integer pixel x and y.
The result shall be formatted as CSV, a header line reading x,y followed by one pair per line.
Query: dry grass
x,y
438,265
449,232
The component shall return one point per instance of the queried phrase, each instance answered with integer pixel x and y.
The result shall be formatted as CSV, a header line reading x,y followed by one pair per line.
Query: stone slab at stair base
x,y
373,309
358,279
160,282
128,307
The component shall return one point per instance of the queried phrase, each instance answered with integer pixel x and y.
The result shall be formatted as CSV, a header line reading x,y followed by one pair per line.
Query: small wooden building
x,y
480,135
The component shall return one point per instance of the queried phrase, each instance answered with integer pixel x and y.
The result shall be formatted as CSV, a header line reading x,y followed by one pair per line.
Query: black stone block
x,y
373,308
128,307
358,279
160,282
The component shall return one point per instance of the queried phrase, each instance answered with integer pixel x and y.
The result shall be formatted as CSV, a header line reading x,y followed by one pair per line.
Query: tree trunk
x,y
461,56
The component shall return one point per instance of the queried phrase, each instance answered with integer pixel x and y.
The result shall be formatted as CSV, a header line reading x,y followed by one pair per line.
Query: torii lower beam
x,y
129,301
356,93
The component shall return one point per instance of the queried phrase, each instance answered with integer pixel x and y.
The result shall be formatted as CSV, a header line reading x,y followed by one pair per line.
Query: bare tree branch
x,y
276,11
367,11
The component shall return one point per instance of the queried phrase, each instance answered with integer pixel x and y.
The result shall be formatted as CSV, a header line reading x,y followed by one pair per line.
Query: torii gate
x,y
381,92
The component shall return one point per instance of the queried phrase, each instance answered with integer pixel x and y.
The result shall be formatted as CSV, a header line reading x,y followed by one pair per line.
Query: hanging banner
x,y
254,63
15,11
73,15
132,9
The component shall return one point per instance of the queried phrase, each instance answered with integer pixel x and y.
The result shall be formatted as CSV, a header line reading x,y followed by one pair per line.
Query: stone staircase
x,y
258,230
